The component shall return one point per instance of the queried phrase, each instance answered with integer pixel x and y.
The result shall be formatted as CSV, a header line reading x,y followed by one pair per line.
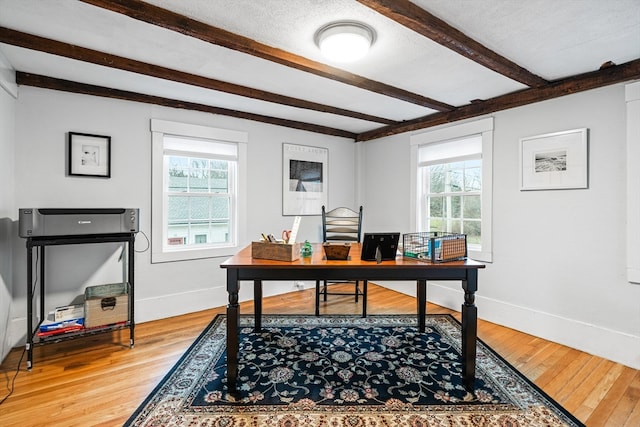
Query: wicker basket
x,y
106,304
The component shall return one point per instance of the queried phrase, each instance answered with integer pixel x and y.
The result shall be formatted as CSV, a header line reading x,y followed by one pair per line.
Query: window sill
x,y
192,254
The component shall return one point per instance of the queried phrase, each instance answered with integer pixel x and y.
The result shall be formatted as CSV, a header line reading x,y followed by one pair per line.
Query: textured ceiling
x,y
551,39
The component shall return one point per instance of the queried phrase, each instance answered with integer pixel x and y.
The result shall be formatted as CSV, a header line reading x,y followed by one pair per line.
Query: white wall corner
x,y
16,332
8,77
359,171
632,97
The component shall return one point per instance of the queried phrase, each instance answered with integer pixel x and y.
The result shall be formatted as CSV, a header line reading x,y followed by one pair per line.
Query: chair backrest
x,y
341,224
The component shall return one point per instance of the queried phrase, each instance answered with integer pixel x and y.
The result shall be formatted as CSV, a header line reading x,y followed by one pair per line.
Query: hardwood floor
x,y
99,381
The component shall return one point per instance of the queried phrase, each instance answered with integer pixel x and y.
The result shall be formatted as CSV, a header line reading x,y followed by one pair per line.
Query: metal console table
x,y
39,243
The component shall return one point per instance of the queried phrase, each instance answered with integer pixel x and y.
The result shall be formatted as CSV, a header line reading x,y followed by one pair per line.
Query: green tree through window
x,y
452,197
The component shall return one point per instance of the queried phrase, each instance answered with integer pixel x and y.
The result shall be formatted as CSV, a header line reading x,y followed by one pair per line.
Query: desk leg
x,y
469,330
364,298
257,305
233,321
317,297
422,305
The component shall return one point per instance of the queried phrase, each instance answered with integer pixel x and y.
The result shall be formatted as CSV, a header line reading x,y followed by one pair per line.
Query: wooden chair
x,y
341,225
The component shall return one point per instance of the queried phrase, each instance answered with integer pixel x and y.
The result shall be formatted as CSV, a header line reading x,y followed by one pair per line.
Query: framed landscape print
x,y
554,161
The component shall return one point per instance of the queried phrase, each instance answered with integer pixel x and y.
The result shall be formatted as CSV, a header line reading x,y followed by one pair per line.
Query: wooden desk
x,y
242,267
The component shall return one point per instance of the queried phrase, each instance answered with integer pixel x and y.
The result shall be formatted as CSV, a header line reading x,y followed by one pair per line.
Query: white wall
x,y
559,267
7,199
44,117
559,260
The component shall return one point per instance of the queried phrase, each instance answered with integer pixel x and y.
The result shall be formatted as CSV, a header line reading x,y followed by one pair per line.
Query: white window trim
x,y
158,129
484,127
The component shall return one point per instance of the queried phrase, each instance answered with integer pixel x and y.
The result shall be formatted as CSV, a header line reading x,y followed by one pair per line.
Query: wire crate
x,y
434,246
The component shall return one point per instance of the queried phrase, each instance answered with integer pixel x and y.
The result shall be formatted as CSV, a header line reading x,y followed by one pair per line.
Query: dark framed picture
x,y
89,155
304,179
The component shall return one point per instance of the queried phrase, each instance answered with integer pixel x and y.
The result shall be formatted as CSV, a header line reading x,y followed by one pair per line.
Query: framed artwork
x,y
89,155
304,179
554,161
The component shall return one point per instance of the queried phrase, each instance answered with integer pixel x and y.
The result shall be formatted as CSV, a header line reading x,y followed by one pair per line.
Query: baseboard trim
x,y
602,342
149,309
612,345
177,304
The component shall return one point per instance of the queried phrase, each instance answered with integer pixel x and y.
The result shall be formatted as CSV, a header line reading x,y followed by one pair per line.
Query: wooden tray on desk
x,y
337,251
275,251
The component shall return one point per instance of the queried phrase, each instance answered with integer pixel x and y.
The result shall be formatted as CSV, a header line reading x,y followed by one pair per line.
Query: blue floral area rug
x,y
345,371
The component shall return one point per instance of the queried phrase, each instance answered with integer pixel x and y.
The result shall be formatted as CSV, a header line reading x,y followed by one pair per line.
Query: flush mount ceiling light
x,y
345,41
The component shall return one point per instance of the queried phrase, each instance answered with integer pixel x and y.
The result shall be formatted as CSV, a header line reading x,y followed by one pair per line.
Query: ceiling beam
x,y
35,80
422,22
41,44
164,18
579,83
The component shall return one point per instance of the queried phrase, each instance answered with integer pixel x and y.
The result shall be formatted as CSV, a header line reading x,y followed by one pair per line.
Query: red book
x,y
60,331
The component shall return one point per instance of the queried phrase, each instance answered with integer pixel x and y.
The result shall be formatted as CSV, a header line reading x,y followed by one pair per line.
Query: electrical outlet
x,y
299,284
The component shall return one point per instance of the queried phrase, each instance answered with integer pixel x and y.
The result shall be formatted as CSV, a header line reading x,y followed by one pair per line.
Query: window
x,y
199,184
452,169
451,188
196,191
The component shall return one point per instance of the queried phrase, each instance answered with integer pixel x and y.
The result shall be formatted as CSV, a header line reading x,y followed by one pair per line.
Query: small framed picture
x,y
89,155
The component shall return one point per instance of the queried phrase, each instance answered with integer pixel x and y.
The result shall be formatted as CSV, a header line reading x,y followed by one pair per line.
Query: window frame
x,y
160,128
632,98
483,127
